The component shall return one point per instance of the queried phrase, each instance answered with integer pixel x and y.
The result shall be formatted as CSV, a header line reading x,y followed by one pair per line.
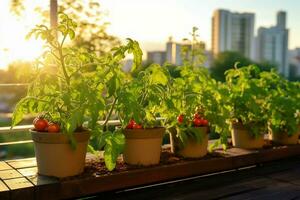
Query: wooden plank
x,y
91,184
30,171
234,158
9,174
4,166
4,191
18,164
271,191
45,187
20,188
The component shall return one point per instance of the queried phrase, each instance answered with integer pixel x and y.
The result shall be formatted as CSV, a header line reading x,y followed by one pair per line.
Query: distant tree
x,y
266,65
226,60
293,76
91,30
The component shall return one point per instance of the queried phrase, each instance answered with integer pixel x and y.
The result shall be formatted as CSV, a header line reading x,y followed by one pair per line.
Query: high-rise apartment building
x,y
158,57
272,44
233,32
173,52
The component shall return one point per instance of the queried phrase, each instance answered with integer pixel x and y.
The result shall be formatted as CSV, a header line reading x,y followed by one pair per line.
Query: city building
x,y
233,32
294,60
272,44
158,57
173,52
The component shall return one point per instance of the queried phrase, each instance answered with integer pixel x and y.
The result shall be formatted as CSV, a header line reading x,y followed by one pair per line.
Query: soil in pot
x,y
192,149
242,138
143,146
55,156
284,138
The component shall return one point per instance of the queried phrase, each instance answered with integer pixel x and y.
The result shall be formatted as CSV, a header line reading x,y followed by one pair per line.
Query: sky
x,y
151,22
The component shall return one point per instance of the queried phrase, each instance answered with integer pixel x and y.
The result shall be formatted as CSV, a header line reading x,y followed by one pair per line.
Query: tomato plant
x,y
247,98
282,104
197,96
66,88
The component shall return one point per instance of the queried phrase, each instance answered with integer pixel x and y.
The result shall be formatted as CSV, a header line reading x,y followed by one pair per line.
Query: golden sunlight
x,y
13,30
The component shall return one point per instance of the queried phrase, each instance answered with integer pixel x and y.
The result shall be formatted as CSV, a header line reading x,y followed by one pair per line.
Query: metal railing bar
x,y
20,128
13,84
16,142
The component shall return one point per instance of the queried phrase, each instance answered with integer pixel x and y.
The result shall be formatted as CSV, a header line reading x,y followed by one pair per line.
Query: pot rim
x,y
151,133
58,138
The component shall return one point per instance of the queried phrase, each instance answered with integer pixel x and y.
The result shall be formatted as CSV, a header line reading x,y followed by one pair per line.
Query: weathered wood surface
x,y
19,179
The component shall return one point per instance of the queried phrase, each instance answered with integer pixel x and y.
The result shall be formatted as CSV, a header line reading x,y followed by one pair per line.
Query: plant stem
x,y
62,61
110,111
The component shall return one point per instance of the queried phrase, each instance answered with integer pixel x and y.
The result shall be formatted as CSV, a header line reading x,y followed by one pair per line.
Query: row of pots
x,y
242,138
55,157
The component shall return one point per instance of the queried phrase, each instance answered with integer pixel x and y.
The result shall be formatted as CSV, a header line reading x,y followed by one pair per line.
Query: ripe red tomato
x,y
130,124
197,122
180,119
53,128
40,124
137,126
204,122
197,116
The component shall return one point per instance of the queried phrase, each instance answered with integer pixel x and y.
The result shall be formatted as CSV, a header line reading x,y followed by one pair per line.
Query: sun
x,y
13,30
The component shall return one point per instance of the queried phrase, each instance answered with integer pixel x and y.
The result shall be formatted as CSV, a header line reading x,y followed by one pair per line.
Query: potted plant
x,y
63,95
193,107
283,107
135,102
246,101
138,106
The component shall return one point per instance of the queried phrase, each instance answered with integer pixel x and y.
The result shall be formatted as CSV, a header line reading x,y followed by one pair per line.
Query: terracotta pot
x,y
241,138
143,146
192,149
284,138
55,156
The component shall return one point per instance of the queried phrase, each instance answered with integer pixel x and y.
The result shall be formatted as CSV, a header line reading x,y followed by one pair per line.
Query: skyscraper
x,y
272,44
233,32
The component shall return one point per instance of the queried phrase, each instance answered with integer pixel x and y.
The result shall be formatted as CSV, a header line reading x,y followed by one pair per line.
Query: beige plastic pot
x,y
192,149
55,156
143,146
283,138
241,138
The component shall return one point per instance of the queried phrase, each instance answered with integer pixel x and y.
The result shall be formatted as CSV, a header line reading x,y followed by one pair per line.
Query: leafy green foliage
x,y
247,98
282,104
195,92
64,89
225,61
263,100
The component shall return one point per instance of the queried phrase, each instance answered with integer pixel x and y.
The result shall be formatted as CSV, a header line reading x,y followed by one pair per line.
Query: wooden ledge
x,y
18,178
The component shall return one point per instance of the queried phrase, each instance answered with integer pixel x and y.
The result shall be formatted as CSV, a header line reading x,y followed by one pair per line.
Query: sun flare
x,y
13,31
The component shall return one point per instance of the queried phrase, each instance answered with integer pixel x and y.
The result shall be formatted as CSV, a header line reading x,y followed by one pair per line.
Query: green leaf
x,y
157,75
71,34
113,148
